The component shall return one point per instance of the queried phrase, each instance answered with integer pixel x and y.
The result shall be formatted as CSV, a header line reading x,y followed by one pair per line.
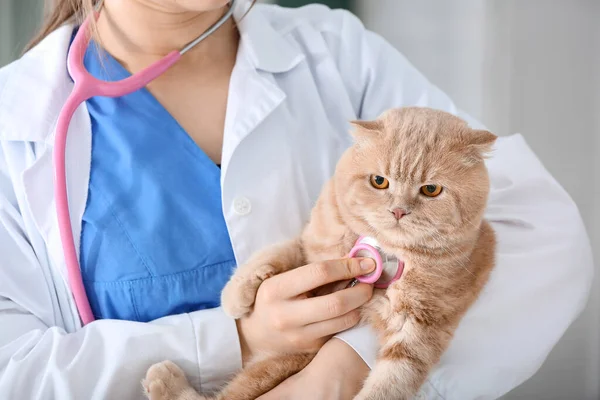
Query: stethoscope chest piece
x,y
388,268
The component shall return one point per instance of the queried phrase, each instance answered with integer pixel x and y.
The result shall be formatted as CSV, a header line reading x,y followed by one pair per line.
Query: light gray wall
x,y
6,32
528,66
19,19
533,67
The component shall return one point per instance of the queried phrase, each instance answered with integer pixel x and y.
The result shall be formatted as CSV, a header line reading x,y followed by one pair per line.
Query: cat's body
x,y
427,164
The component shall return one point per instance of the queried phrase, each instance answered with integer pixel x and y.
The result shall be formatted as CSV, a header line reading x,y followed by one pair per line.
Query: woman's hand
x,y
336,373
287,316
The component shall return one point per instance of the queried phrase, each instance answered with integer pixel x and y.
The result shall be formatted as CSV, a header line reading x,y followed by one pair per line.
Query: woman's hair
x,y
60,12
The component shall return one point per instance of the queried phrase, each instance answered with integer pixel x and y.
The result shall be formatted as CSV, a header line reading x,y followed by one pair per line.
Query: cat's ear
x,y
479,144
364,129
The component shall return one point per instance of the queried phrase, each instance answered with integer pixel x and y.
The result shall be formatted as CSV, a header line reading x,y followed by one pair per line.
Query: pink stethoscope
x,y
388,268
86,86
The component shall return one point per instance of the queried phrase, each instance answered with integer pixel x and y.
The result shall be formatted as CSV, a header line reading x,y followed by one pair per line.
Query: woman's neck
x,y
138,33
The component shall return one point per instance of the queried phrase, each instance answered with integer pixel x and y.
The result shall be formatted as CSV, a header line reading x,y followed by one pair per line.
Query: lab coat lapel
x,y
37,178
254,93
255,97
38,185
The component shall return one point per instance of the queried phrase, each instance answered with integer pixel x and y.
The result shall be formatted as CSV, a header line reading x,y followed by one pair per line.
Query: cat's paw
x,y
165,381
239,293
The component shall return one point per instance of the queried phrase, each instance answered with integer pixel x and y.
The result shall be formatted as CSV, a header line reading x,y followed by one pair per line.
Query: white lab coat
x,y
300,76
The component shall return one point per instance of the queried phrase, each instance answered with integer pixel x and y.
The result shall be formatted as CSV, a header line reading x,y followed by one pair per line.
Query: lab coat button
x,y
242,206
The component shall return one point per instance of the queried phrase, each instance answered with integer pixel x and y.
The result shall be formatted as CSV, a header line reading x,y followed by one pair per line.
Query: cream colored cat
x,y
415,180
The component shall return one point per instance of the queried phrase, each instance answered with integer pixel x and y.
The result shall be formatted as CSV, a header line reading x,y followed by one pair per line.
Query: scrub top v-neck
x,y
154,240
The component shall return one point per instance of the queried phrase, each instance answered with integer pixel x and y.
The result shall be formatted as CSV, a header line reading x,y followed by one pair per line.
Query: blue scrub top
x,y
154,240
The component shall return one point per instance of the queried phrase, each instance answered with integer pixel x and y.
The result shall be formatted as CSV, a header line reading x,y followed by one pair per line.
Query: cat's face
x,y
415,175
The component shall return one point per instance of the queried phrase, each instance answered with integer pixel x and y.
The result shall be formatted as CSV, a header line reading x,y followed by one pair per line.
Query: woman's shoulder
x,y
6,73
53,47
33,87
335,25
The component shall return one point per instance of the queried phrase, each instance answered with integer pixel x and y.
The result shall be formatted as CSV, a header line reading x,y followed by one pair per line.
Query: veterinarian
x,y
172,186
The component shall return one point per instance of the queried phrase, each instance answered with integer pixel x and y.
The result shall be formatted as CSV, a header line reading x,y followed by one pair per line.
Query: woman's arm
x,y
336,373
106,359
544,264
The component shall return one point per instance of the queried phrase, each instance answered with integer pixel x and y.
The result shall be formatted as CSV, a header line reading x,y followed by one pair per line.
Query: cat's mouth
x,y
397,225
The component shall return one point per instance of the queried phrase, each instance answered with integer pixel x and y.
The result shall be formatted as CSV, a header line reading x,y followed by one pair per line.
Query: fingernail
x,y
367,264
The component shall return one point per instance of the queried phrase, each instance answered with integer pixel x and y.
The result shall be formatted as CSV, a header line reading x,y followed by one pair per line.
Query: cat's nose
x,y
399,212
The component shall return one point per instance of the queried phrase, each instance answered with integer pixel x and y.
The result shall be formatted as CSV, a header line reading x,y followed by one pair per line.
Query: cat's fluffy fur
x,y
447,246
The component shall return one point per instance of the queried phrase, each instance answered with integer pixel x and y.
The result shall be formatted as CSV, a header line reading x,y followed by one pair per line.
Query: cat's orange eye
x,y
431,190
379,182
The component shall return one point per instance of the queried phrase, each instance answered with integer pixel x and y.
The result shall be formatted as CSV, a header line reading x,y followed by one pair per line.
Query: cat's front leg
x,y
388,380
378,312
382,385
262,376
238,295
405,358
166,381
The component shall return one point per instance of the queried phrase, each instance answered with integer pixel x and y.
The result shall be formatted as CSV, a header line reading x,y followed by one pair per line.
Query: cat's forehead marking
x,y
420,140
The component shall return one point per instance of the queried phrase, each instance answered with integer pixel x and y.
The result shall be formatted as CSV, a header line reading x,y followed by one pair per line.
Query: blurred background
x,y
526,66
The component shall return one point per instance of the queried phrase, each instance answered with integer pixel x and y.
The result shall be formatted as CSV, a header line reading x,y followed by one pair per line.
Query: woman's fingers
x,y
308,277
286,317
330,288
331,326
331,306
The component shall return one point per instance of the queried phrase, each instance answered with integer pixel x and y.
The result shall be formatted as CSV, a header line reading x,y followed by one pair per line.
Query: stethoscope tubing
x,y
85,87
